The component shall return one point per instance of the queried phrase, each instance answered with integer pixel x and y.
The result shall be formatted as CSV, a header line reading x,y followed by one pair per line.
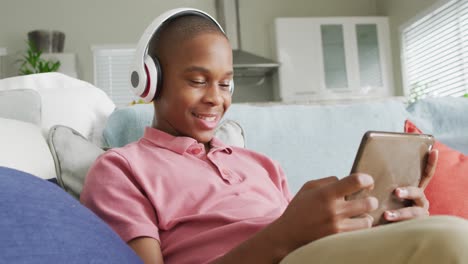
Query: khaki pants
x,y
437,239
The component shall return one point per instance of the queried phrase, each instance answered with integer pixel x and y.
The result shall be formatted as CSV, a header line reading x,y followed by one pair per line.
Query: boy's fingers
x,y
357,207
351,224
351,184
320,182
414,194
405,213
430,168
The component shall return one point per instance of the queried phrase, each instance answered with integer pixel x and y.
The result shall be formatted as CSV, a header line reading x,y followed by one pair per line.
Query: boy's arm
x,y
148,249
318,210
267,246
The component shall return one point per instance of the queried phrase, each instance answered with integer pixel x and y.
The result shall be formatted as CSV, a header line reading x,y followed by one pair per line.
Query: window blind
x,y
435,53
111,73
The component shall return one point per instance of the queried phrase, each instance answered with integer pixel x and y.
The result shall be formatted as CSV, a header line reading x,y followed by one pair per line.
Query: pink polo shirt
x,y
197,205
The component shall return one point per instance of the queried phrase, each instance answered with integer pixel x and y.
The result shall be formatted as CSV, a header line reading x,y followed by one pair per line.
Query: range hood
x,y
245,63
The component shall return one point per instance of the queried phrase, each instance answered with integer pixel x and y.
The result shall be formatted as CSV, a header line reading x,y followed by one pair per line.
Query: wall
x,y
257,17
85,23
89,22
257,32
399,13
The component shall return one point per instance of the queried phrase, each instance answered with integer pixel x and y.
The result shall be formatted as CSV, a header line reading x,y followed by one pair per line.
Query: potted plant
x,y
33,63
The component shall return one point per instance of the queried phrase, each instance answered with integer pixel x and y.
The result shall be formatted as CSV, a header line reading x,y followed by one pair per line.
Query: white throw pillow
x,y
67,101
22,104
23,147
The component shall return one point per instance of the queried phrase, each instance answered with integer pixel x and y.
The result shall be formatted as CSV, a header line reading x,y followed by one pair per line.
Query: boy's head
x,y
196,64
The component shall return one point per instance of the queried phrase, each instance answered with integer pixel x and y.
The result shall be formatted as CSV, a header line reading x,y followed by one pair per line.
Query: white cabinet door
x,y
333,58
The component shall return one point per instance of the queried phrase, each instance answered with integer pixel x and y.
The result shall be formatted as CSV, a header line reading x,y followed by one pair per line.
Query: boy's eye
x,y
225,86
198,82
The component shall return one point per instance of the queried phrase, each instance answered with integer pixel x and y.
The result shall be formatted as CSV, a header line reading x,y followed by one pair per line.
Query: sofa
x,y
52,127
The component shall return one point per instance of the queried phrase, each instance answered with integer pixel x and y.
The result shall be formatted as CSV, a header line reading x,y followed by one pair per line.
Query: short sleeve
x,y
112,193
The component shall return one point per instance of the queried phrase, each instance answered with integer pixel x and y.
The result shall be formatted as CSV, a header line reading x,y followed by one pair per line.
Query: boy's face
x,y
195,93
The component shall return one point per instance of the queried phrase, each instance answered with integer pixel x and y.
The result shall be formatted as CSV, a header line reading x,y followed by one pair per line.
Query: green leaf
x,y
32,62
55,66
40,66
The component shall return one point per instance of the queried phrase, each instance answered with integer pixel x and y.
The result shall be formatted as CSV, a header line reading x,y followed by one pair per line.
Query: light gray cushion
x,y
231,133
73,155
22,104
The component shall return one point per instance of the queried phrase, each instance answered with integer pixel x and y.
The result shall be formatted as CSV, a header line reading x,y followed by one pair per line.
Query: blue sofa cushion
x,y
446,118
315,141
40,223
127,124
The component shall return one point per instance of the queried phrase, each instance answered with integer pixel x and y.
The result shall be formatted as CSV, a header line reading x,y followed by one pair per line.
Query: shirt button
x,y
226,172
196,151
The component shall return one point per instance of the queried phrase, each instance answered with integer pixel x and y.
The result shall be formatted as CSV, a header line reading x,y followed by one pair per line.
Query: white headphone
x,y
145,73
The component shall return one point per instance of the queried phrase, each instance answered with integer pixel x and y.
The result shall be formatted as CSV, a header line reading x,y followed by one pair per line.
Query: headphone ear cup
x,y
159,78
231,86
152,79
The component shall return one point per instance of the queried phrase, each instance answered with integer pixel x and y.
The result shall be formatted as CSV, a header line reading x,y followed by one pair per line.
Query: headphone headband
x,y
141,82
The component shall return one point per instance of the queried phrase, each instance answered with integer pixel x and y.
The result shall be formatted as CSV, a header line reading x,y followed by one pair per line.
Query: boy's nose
x,y
213,95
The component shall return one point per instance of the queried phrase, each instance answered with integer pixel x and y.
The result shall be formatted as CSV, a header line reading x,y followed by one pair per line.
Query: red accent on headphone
x,y
148,82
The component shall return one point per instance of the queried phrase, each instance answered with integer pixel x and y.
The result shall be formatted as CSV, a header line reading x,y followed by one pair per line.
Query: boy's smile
x,y
195,94
209,121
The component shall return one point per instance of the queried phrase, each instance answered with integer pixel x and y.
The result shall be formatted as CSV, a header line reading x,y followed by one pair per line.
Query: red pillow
x,y
447,192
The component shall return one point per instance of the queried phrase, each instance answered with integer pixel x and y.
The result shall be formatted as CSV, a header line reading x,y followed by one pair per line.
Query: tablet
x,y
393,160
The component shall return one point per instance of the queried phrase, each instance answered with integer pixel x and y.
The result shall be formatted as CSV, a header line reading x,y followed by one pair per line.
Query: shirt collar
x,y
217,145
180,144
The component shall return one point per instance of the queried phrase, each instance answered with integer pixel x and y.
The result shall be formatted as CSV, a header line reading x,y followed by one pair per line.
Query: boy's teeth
x,y
207,118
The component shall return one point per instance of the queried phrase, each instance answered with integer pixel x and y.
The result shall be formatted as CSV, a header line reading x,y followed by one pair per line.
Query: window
x,y
435,53
112,72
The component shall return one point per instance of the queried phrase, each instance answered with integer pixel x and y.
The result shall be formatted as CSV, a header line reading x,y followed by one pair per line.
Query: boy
x,y
182,196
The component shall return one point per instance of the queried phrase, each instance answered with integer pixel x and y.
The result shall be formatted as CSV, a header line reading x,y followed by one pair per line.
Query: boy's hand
x,y
319,209
420,206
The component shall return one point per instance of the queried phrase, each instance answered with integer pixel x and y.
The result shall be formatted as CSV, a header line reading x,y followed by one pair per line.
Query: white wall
x,y
257,16
257,31
85,23
91,22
